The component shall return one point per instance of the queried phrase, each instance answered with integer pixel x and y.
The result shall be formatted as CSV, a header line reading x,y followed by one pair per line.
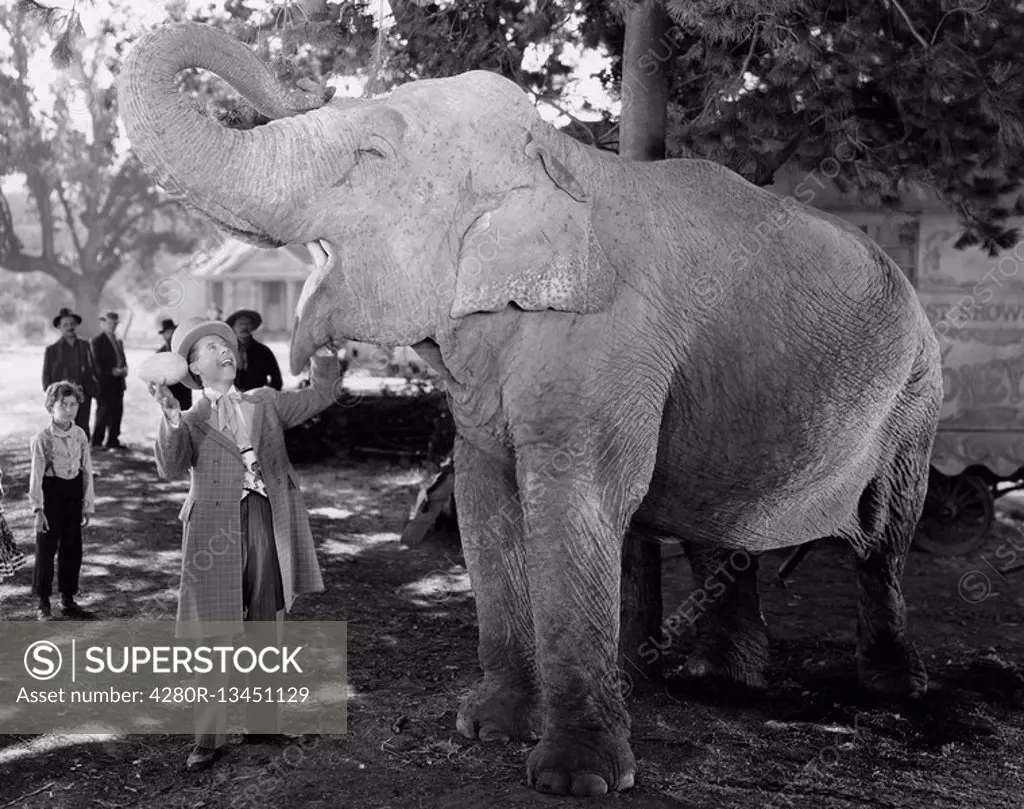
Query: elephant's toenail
x,y
553,783
589,785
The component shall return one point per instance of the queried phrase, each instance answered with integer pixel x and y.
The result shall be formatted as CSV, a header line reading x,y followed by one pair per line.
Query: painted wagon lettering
x,y
984,384
960,313
944,315
984,284
1015,371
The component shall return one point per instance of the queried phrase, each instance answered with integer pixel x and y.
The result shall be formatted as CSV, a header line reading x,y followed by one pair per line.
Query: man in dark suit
x,y
71,358
179,391
257,365
111,369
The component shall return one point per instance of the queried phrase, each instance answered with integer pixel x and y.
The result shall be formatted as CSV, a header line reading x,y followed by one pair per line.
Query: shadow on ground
x,y
810,740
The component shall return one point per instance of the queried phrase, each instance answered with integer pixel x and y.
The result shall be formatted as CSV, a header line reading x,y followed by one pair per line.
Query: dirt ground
x,y
811,741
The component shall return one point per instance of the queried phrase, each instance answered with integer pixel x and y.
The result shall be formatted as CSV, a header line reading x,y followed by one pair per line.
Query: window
x,y
274,292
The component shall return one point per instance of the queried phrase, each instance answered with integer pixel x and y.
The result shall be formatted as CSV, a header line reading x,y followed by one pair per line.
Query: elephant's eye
x,y
373,151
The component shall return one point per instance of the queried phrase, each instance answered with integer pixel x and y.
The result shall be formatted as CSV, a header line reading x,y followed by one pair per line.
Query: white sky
x,y
143,15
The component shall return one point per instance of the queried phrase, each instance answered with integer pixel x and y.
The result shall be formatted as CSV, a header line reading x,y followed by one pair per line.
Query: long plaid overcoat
x,y
211,565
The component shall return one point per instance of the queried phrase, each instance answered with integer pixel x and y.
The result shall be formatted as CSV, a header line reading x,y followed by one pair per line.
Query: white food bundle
x,y
166,368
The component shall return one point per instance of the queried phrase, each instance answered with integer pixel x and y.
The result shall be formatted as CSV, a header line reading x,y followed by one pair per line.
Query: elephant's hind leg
x,y
732,637
505,705
887,662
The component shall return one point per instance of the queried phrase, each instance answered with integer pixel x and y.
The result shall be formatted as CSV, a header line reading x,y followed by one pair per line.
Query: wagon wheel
x,y
957,515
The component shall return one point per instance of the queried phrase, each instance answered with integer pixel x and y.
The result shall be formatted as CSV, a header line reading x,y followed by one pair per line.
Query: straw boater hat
x,y
257,321
190,332
65,312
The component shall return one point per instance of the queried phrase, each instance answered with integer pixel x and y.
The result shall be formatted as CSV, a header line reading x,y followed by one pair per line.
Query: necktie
x,y
229,423
228,415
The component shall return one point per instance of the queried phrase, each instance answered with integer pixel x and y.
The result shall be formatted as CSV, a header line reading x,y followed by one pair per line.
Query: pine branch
x,y
906,18
65,26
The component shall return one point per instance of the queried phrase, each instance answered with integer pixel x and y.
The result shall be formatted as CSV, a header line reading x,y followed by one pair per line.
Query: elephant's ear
x,y
537,249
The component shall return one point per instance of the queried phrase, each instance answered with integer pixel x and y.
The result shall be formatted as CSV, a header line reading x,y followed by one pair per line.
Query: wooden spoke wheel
x,y
958,513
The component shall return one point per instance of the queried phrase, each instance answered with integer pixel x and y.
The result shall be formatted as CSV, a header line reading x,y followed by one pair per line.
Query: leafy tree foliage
x,y
926,93
96,210
421,40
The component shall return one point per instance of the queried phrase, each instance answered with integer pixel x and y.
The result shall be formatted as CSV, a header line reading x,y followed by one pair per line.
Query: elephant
x,y
630,350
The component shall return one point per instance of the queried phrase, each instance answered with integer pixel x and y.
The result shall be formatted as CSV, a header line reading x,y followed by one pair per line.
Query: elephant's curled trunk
x,y
232,176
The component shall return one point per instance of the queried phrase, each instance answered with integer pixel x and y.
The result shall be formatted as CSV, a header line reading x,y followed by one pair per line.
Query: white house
x,y
238,276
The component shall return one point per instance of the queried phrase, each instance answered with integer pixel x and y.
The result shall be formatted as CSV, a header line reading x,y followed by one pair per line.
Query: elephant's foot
x,y
582,763
500,710
740,658
892,668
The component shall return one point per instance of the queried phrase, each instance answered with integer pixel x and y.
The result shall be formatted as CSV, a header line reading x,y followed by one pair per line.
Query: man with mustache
x,y
257,365
71,359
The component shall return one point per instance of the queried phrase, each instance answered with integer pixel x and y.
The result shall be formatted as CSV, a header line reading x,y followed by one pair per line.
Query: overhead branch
x,y
750,54
21,263
115,189
779,159
554,104
34,176
906,18
118,234
69,217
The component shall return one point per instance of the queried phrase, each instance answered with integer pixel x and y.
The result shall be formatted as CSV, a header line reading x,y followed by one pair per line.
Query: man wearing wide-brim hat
x,y
257,365
71,358
247,549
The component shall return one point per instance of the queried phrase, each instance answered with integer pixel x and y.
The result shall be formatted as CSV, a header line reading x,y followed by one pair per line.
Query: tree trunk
x,y
87,305
647,64
648,61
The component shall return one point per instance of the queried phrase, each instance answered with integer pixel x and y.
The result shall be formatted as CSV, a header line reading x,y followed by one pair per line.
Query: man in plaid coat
x,y
247,547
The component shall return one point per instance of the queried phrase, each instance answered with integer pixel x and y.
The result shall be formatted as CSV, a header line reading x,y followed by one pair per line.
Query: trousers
x,y
82,418
62,505
263,602
109,411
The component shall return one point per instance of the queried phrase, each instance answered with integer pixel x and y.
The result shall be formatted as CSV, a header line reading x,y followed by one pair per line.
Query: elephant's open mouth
x,y
254,237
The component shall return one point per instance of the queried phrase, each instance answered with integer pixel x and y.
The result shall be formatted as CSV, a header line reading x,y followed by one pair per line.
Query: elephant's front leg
x,y
505,705
574,532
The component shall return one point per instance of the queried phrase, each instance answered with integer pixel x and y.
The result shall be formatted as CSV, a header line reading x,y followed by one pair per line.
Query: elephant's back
x,y
789,371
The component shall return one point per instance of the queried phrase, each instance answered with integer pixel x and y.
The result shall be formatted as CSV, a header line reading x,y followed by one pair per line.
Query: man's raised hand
x,y
162,396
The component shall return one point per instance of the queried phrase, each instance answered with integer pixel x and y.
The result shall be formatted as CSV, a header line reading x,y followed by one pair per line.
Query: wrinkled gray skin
x,y
615,361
